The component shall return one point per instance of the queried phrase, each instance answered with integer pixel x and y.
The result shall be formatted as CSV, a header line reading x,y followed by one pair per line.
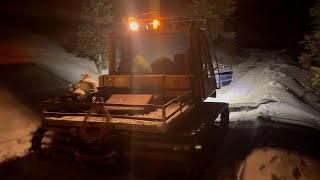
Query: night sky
x,y
267,24
271,24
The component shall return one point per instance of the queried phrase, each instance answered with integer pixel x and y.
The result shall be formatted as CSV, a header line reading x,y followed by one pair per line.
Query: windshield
x,y
151,54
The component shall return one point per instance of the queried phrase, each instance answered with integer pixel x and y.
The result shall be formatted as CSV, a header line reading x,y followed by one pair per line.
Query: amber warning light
x,y
133,24
155,24
144,24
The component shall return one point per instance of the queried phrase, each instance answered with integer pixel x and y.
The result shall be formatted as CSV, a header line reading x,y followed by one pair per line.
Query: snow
x,y
17,123
279,164
158,113
267,85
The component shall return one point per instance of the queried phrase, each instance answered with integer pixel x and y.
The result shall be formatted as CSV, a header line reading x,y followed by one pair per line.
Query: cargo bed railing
x,y
183,102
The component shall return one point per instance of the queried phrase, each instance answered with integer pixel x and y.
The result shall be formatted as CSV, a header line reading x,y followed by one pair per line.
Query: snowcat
x,y
150,105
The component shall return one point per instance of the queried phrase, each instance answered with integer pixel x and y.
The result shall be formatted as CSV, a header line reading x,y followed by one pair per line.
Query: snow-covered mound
x,y
268,86
278,164
17,123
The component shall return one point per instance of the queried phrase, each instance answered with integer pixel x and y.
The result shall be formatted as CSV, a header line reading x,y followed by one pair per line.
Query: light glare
x,y
134,26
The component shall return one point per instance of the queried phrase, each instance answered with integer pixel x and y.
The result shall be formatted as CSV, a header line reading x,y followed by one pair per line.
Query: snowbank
x,y
17,123
265,85
278,164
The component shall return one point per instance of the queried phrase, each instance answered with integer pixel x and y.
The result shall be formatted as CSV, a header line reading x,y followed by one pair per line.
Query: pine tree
x,y
311,57
92,33
215,12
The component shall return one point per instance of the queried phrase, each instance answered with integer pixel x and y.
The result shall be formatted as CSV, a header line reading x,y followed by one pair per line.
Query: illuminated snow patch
x,y
17,123
281,164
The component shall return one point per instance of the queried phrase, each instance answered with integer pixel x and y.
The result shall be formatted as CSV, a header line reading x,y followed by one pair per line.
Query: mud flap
x,y
212,111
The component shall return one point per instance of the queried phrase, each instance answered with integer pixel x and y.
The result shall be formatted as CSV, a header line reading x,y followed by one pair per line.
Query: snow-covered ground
x,y
269,86
17,123
278,164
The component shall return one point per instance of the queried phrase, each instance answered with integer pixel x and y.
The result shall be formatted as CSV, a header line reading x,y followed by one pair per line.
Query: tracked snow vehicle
x,y
150,105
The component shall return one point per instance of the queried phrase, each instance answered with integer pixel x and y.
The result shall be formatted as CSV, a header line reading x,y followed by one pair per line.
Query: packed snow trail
x,y
258,90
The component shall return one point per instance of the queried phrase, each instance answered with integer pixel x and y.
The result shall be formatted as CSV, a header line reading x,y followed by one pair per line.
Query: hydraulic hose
x,y
97,131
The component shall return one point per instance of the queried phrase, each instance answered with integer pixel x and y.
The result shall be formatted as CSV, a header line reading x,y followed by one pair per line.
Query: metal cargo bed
x,y
56,114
